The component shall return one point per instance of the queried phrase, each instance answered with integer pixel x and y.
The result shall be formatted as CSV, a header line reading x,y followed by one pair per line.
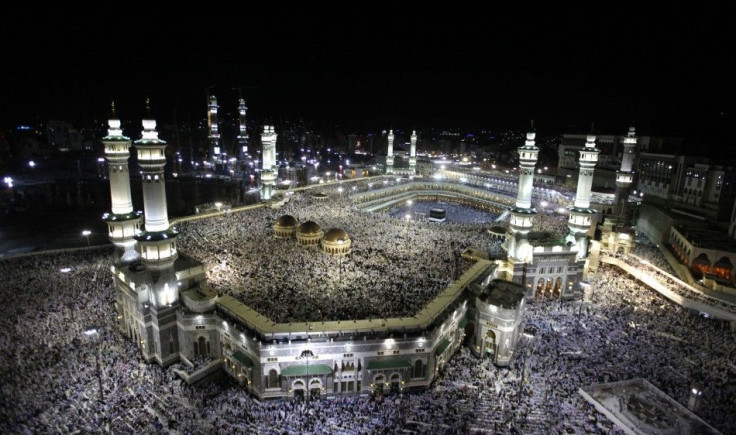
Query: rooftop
x,y
503,294
706,238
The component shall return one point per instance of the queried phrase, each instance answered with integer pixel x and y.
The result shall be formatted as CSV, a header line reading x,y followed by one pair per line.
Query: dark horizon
x,y
668,75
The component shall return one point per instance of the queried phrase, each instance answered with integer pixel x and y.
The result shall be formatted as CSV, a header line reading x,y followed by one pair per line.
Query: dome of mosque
x,y
335,235
287,220
309,227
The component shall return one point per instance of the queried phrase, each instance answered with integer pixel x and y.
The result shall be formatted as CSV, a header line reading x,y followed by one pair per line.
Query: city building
x,y
610,158
690,185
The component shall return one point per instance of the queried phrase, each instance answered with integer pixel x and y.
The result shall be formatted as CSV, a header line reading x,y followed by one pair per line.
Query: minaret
x,y
213,128
390,153
413,153
157,242
269,169
518,247
122,222
625,177
579,221
242,132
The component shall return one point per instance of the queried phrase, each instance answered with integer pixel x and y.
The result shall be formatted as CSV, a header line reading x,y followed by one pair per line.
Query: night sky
x,y
671,73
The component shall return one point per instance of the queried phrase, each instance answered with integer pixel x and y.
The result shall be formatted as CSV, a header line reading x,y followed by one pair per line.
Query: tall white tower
x,y
157,241
517,245
213,128
413,153
242,132
390,153
268,168
580,218
625,176
122,222
156,287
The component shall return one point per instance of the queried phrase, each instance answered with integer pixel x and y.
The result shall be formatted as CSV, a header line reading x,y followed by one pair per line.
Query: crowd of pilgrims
x,y
395,266
49,379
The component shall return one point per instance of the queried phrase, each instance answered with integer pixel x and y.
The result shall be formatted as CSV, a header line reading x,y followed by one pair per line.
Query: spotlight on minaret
x,y
122,222
580,218
625,176
268,169
520,224
390,153
413,153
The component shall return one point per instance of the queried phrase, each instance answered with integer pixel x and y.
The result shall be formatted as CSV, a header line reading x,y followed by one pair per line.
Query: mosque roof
x,y
287,220
309,227
335,235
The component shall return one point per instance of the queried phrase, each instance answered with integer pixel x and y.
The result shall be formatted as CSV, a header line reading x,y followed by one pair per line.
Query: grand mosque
x,y
167,307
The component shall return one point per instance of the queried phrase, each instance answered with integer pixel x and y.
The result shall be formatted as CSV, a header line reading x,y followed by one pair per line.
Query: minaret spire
x,y
625,176
242,128
269,169
122,221
579,220
214,128
390,153
413,153
517,245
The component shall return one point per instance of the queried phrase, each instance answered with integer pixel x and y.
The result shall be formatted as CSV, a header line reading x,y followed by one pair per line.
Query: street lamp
x,y
339,189
86,234
90,333
218,204
693,403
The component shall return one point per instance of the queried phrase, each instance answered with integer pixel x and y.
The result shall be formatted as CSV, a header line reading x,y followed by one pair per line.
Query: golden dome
x,y
309,227
287,220
335,235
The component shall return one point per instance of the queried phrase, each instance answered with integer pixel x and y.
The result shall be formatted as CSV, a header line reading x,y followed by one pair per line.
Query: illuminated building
x,y
500,308
242,132
517,244
537,261
213,129
122,222
618,236
390,153
581,215
625,176
165,305
707,253
413,154
147,292
268,168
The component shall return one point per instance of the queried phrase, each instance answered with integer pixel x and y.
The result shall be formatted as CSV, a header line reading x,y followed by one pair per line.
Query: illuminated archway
x,y
701,265
723,268
539,292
